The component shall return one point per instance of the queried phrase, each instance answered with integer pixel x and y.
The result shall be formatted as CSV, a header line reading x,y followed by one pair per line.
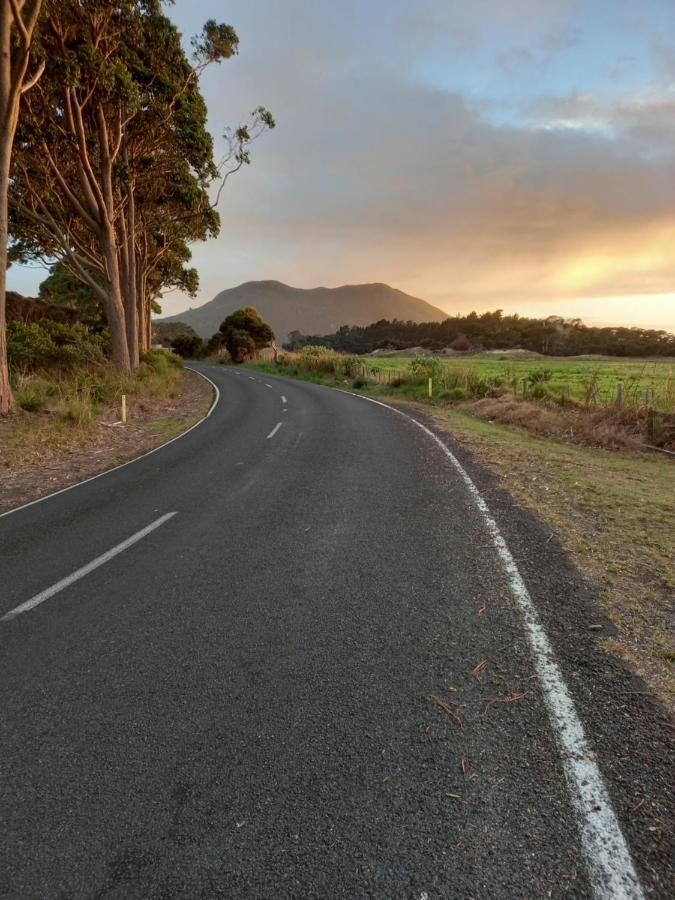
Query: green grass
x,y
636,375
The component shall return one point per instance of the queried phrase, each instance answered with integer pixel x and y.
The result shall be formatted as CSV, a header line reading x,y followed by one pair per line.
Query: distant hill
x,y
315,311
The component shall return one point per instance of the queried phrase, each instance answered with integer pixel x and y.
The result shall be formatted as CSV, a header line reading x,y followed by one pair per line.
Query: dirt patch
x,y
151,421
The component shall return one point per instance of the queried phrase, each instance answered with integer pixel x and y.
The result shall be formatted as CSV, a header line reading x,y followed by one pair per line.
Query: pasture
x,y
645,382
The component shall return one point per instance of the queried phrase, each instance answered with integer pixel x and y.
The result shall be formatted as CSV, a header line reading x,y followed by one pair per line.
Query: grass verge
x,y
61,409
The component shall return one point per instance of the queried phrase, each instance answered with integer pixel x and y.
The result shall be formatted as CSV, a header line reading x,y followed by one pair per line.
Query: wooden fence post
x,y
525,387
619,395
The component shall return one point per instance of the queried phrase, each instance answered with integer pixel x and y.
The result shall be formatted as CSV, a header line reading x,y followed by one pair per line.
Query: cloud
x,y
372,175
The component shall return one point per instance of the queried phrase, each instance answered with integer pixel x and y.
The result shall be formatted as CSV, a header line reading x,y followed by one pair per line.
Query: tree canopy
x,y
495,331
244,332
113,175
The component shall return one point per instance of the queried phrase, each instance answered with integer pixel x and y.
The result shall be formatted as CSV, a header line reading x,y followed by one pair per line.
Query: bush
x,y
350,366
189,346
39,345
30,398
454,395
161,361
359,382
319,359
539,391
422,367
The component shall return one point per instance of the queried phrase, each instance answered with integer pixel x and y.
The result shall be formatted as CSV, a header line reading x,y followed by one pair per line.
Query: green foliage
x,y
30,398
454,395
62,289
40,345
350,366
216,43
161,361
188,346
425,367
359,383
243,332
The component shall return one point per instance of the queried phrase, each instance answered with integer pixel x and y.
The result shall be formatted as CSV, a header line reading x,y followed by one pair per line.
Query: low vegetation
x,y
64,384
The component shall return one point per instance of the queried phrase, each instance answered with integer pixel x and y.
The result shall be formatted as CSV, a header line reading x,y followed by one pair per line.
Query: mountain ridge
x,y
318,310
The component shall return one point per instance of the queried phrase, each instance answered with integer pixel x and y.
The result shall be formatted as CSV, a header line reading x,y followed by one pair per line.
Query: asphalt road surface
x,y
303,651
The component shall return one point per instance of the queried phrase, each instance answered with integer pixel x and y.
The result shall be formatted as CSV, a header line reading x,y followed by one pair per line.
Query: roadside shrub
x,y
40,345
539,391
30,398
539,376
454,395
350,366
94,387
422,367
319,359
161,361
189,346
78,409
359,382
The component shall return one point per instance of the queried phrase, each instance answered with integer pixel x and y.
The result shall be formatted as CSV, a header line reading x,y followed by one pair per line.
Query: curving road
x,y
283,656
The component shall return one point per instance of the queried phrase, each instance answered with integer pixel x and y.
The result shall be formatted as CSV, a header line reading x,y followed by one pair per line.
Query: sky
x,y
480,154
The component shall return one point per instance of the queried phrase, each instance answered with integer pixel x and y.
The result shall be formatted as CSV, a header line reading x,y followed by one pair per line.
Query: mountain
x,y
315,311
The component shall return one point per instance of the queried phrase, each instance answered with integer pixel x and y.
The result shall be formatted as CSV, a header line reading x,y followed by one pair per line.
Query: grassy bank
x,y
613,510
62,406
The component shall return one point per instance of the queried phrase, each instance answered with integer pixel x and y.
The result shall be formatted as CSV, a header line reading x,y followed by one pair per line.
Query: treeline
x,y
107,170
552,336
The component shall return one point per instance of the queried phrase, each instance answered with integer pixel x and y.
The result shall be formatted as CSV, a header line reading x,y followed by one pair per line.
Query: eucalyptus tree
x,y
116,162
18,21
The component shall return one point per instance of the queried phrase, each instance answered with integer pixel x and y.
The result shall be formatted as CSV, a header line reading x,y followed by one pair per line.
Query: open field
x,y
644,381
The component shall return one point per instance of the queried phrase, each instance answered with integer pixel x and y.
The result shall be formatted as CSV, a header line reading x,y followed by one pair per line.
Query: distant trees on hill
x,y
552,336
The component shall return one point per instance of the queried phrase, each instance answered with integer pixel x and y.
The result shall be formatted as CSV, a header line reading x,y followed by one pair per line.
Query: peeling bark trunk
x,y
132,283
5,389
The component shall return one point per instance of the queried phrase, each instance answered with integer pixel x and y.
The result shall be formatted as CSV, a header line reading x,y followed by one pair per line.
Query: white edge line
x,y
274,430
129,462
609,864
85,570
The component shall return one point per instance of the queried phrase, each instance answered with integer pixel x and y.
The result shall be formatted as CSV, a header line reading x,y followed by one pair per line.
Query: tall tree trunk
x,y
12,84
7,120
143,331
5,389
132,298
115,305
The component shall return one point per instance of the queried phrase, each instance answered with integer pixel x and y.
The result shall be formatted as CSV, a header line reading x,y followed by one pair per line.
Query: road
x,y
290,655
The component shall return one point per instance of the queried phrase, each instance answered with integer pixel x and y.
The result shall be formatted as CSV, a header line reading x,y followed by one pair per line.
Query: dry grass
x,y
601,427
62,410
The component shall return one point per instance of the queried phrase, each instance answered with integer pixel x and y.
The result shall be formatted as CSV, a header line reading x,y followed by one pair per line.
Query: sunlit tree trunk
x,y
13,82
